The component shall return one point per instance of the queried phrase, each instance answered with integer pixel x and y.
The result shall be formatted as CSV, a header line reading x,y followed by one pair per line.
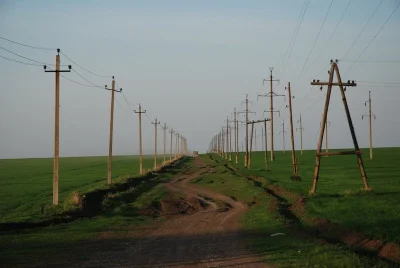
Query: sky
x,y
189,64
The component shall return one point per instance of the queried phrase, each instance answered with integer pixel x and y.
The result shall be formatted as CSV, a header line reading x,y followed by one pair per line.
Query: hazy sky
x,y
189,63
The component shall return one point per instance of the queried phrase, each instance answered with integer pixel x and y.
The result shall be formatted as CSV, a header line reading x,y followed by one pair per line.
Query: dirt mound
x,y
174,205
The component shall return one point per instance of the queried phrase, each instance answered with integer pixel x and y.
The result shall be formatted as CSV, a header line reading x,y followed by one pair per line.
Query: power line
x,y
16,54
34,47
82,67
377,82
365,26
73,81
94,85
294,37
316,39
370,42
21,62
330,37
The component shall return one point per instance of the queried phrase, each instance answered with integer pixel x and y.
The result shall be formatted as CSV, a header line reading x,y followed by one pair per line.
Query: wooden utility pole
x,y
301,134
294,159
165,140
155,123
255,140
236,137
246,112
326,135
140,112
357,152
110,142
252,131
265,144
283,135
57,72
170,151
370,123
251,144
227,138
177,146
271,95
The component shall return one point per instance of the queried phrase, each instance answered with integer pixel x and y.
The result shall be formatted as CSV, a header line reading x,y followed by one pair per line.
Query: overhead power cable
x,y
365,26
21,62
315,41
16,54
84,68
34,47
73,81
294,37
330,37
370,42
94,85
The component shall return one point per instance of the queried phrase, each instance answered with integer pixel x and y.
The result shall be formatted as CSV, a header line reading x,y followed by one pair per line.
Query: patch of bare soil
x,y
200,229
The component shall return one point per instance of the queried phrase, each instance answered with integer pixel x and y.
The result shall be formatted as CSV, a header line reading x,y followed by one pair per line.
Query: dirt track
x,y
209,237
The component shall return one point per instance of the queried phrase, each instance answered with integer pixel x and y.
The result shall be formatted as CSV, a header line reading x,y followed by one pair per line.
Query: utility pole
x,y
155,123
265,144
227,138
327,123
246,112
165,140
255,139
251,144
357,152
283,135
57,72
271,95
110,142
301,134
294,159
177,145
140,112
251,139
236,137
370,123
170,151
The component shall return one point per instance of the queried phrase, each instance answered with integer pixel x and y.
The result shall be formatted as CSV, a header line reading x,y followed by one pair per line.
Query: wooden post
x,y
155,123
56,133
227,138
333,69
265,144
251,144
57,72
370,127
255,139
140,112
170,151
110,142
294,160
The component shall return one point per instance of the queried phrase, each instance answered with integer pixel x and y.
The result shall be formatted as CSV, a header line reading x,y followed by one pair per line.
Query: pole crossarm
x,y
259,121
348,84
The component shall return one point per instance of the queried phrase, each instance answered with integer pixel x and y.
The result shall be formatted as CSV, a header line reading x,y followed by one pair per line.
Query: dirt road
x,y
209,237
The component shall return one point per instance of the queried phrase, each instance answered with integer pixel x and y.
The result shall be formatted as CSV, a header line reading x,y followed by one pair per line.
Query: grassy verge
x,y
340,197
289,250
26,184
66,244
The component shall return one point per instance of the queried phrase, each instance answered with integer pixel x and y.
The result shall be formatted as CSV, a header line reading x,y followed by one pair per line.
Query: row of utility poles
x,y
217,145
180,143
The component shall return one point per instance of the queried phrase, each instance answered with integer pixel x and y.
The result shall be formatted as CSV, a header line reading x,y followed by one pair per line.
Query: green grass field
x,y
339,196
290,249
26,184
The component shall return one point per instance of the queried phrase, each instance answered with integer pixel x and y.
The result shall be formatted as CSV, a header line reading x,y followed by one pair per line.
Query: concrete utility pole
x,y
301,134
170,151
271,95
357,152
283,135
110,142
165,140
140,112
370,123
294,159
57,72
155,123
